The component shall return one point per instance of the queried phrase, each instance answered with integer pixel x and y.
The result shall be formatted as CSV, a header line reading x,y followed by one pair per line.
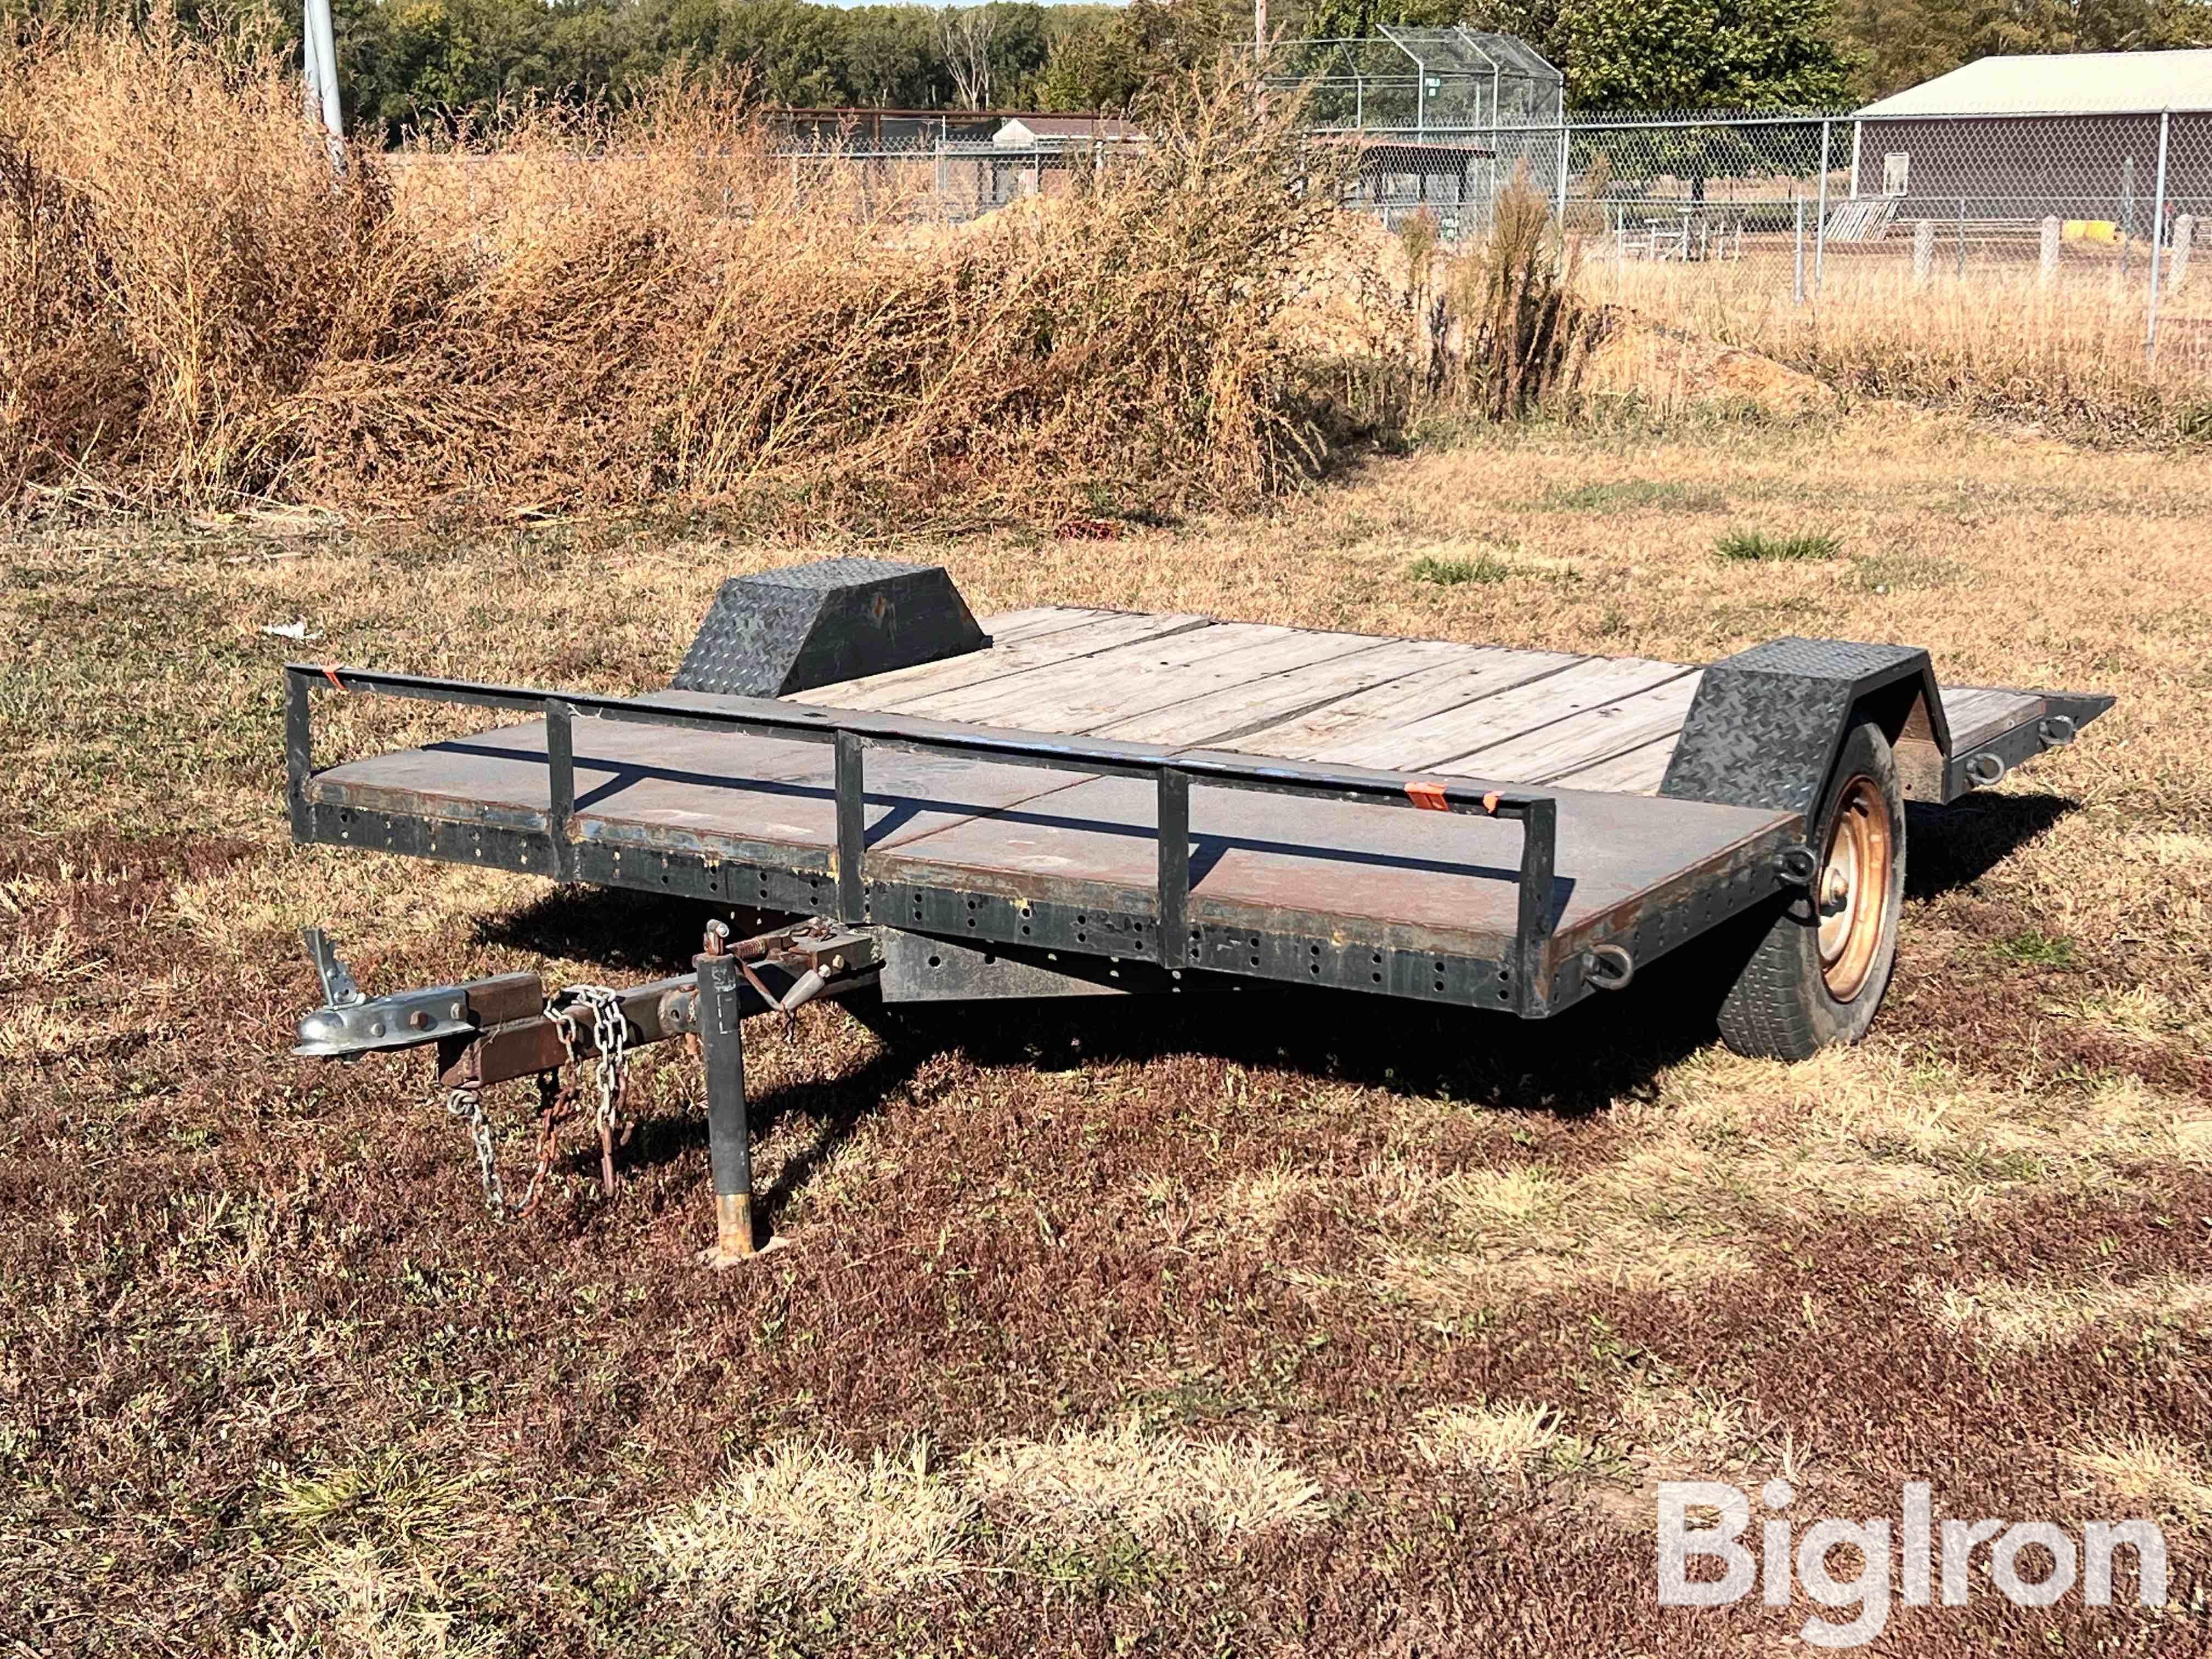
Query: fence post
x,y
1797,286
2177,263
1821,228
2127,213
2046,266
2157,234
1923,252
1961,272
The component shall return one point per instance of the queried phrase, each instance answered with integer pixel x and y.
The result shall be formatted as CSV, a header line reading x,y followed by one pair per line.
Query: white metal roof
x,y
2069,83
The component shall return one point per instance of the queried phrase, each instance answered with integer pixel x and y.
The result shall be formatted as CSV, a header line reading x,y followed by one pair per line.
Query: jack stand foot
x,y
733,1243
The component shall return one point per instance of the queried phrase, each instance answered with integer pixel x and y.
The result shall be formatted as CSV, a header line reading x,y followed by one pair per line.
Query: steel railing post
x,y
560,785
299,747
1174,866
852,829
1540,834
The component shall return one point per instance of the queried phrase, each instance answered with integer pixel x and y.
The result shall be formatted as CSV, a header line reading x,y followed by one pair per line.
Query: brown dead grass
x,y
2069,359
645,306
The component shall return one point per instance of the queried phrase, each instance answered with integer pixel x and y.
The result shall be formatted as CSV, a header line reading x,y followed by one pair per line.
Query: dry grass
x,y
2017,1315
2069,358
624,309
803,1518
2155,1473
806,1519
1504,1440
1158,1487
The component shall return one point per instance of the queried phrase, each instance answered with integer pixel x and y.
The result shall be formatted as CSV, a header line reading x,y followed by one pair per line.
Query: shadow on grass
x,y
1604,1049
1947,848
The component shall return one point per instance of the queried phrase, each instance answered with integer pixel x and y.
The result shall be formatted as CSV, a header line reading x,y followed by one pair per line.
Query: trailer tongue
x,y
1083,802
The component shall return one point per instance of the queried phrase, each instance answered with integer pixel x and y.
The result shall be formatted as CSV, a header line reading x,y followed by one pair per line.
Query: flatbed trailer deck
x,y
1070,799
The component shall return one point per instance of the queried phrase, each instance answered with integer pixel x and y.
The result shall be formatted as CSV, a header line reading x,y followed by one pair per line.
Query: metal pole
x,y
1961,272
1563,173
2157,237
1820,226
729,1142
1797,286
1858,135
320,59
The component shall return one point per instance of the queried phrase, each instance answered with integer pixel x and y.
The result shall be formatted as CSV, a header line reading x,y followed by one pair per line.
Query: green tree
x,y
1702,54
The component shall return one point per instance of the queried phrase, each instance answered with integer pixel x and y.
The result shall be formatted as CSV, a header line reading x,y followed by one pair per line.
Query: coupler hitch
x,y
496,1029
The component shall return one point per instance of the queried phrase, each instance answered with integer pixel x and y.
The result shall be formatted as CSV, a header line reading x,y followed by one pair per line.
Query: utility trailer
x,y
1071,801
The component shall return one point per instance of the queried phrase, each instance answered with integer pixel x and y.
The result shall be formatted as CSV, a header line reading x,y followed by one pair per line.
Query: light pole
x,y
320,64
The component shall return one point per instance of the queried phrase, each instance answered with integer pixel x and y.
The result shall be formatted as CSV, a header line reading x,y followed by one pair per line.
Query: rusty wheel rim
x,y
1854,889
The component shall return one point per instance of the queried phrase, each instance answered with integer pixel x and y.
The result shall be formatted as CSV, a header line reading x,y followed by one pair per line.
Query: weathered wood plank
x,y
1976,713
1467,671
1421,746
1638,772
1117,684
1226,715
1579,740
1010,627
904,685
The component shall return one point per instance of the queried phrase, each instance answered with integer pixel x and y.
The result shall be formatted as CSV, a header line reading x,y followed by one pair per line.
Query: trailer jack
x,y
497,1029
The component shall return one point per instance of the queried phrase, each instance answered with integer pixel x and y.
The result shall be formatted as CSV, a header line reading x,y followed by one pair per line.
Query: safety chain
x,y
465,1102
610,1032
611,1042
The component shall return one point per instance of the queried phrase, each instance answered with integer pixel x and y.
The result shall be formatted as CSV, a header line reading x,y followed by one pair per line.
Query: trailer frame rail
x,y
850,733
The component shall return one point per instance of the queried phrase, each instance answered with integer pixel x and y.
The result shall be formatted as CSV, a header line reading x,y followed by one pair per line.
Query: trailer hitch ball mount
x,y
349,1024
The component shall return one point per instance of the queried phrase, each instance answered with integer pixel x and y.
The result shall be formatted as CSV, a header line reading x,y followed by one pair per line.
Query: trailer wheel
x,y
1818,973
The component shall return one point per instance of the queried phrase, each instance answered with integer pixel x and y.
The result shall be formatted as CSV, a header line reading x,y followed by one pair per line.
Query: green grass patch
x,y
1632,494
1455,573
1754,546
2032,948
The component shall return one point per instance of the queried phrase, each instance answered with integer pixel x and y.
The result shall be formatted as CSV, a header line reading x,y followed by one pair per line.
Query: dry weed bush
x,y
625,306
171,241
1507,326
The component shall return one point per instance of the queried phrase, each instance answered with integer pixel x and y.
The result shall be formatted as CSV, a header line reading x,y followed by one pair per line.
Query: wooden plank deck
x,y
1597,731
1516,716
1381,874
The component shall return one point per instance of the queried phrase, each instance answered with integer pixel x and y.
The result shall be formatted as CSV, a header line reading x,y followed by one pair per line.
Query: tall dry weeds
x,y
594,311
1506,324
172,240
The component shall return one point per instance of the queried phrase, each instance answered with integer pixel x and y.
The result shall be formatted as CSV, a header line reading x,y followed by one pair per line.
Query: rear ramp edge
x,y
1994,756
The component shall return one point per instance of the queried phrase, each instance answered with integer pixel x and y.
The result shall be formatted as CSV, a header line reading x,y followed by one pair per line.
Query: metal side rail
x,y
852,733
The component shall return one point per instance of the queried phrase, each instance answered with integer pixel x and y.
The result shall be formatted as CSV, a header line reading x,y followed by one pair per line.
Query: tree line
x,y
415,64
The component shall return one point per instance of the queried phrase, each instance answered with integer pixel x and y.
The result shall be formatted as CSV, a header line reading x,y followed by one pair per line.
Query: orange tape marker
x,y
1430,796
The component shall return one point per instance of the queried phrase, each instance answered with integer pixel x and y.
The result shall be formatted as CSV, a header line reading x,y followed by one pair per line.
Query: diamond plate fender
x,y
1766,723
792,629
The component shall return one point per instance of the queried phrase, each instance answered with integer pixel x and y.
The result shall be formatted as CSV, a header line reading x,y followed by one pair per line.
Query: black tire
x,y
1785,1004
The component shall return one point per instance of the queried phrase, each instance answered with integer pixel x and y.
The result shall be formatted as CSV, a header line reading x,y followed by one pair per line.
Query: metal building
x,y
2082,136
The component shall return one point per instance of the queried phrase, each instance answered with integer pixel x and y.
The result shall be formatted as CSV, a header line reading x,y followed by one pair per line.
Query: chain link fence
x,y
2097,220
2103,211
